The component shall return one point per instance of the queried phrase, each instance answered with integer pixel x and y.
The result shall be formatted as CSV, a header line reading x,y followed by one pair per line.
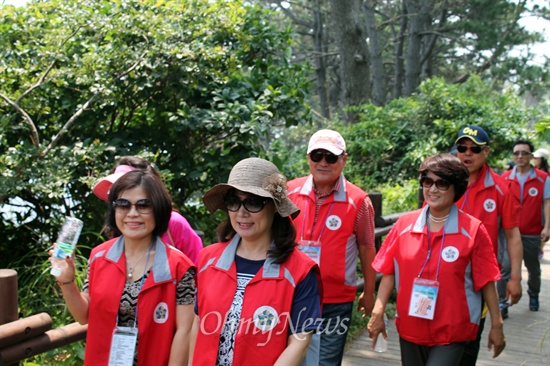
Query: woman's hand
x,y
376,325
69,270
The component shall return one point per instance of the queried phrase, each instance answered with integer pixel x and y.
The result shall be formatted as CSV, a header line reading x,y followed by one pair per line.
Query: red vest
x,y
531,216
263,326
485,199
334,228
156,302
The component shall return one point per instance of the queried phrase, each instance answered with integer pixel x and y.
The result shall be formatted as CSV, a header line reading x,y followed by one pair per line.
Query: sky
x,y
531,24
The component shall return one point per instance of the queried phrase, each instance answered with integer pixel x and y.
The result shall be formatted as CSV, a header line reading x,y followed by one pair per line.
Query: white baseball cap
x,y
327,140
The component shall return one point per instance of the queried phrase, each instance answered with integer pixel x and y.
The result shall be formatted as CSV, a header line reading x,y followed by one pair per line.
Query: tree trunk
x,y
417,11
379,81
399,70
351,37
320,47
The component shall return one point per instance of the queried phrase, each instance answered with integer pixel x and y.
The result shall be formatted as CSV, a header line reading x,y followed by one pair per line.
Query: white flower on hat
x,y
275,184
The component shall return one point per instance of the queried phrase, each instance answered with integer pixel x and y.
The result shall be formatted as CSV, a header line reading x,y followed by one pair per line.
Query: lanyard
x,y
430,250
141,284
305,217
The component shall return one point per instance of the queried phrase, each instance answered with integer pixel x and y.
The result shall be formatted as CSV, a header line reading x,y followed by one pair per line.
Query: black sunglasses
x,y
521,152
475,149
440,184
124,206
317,155
251,204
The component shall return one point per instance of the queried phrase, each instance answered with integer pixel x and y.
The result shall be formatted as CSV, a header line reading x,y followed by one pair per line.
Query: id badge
x,y
312,248
423,298
123,346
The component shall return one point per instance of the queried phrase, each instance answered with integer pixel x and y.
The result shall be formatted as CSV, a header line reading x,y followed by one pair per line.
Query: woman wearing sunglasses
x,y
139,293
441,261
258,296
180,234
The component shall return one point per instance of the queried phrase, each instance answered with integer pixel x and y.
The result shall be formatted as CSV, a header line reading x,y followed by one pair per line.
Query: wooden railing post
x,y
8,296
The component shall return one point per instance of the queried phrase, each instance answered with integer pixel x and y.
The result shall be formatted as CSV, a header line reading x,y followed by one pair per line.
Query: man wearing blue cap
x,y
489,199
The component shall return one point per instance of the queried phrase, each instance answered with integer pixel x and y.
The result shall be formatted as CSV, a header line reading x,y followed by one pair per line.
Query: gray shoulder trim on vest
x,y
207,264
228,255
161,266
289,278
97,255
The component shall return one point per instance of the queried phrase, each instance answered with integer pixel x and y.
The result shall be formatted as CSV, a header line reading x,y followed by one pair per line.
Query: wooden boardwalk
x,y
527,334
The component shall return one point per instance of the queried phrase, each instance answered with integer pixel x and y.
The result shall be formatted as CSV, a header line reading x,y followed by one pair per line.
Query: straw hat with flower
x,y
256,176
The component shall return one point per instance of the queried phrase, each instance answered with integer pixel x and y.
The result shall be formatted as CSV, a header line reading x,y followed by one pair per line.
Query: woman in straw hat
x,y
258,297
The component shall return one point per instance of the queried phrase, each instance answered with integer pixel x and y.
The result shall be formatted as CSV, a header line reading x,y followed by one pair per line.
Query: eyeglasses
x,y
123,206
521,152
475,149
440,184
251,204
317,155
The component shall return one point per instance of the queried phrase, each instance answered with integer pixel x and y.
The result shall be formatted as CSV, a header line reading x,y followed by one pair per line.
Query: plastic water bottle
x,y
382,343
65,244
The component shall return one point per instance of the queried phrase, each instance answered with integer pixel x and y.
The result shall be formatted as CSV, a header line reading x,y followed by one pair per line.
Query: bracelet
x,y
65,283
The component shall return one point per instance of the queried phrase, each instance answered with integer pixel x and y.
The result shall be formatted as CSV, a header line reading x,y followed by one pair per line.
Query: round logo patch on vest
x,y
489,205
450,254
533,192
333,222
161,313
265,318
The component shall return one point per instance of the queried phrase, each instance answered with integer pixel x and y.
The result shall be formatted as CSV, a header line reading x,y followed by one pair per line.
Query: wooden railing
x,y
27,337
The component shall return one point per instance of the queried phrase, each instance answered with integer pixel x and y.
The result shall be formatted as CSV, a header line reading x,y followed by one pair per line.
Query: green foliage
x,y
543,128
193,86
400,198
390,142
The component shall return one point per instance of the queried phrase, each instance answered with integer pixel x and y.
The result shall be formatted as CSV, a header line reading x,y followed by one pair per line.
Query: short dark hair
x,y
156,193
448,167
524,142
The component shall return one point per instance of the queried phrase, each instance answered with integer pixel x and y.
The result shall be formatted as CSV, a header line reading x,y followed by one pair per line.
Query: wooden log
x,y
25,328
45,342
8,296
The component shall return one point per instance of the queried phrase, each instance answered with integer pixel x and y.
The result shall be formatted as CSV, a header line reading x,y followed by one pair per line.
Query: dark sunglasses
x,y
475,149
251,204
522,153
440,184
124,206
317,155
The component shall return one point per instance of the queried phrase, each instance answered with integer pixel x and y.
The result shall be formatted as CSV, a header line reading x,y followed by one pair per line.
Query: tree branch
x,y
34,132
81,110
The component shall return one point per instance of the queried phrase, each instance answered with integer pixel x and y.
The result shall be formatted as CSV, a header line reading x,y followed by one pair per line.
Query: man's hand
x,y
365,303
496,341
545,234
513,291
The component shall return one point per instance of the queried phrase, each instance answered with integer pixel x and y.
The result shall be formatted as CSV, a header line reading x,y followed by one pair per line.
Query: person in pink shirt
x,y
180,234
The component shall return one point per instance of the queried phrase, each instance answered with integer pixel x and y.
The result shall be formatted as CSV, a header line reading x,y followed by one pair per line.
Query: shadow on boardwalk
x,y
527,334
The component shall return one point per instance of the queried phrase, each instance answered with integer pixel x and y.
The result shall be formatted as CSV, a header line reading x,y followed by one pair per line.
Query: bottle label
x,y
62,250
68,236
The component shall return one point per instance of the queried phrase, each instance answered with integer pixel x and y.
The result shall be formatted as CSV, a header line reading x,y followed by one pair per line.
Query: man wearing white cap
x,y
335,227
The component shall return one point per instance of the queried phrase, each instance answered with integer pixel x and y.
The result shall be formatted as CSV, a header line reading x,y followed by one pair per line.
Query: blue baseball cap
x,y
474,133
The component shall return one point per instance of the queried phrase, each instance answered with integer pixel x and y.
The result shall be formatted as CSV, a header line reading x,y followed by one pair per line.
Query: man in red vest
x,y
488,199
531,187
335,227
